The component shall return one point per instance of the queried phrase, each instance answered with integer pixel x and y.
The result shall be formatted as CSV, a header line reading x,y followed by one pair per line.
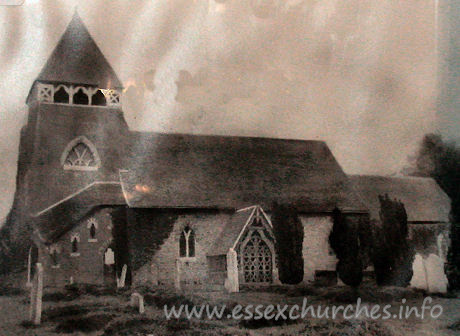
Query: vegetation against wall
x,y
148,229
288,231
345,241
393,255
441,160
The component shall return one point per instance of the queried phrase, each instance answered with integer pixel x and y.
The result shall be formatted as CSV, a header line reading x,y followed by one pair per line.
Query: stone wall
x,y
161,270
86,266
317,254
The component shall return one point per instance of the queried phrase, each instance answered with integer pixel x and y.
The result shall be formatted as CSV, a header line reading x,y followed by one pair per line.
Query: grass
x,y
110,314
11,291
129,326
84,324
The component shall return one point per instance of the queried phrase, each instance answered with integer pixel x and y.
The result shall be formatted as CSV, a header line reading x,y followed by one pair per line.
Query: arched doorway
x,y
257,260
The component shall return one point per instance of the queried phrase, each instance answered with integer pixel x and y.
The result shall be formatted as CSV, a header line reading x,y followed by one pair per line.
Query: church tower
x,y
76,132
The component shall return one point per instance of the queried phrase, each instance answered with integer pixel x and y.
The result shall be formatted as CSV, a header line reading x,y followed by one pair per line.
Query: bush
x,y
440,160
344,240
393,256
288,231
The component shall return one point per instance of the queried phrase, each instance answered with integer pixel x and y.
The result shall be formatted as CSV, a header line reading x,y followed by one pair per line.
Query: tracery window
x,y
257,260
187,243
80,154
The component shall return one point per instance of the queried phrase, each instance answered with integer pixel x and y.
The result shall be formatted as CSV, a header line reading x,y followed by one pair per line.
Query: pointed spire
x,y
77,59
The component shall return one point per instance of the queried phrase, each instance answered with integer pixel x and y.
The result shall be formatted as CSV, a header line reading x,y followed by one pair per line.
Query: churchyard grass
x,y
96,311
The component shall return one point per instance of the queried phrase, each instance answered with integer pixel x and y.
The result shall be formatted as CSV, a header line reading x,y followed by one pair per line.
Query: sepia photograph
x,y
229,167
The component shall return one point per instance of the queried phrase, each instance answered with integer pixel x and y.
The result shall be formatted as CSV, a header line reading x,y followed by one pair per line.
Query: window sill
x,y
75,254
187,259
55,266
92,240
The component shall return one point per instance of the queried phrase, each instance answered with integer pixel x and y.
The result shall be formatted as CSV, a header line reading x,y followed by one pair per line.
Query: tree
x,y
393,256
344,240
288,231
441,161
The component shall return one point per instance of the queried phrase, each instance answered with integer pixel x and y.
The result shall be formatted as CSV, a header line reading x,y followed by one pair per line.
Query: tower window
x,y
98,99
61,96
80,154
80,98
187,243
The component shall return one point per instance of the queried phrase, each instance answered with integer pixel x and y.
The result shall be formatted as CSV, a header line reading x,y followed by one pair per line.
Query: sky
x,y
362,75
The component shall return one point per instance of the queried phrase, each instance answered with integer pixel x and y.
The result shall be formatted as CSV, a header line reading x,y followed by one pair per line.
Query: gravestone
x,y
29,269
122,279
428,274
419,277
36,295
231,283
137,300
177,277
437,280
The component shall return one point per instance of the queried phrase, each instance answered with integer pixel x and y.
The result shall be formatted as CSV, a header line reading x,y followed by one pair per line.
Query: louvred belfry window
x,y
80,154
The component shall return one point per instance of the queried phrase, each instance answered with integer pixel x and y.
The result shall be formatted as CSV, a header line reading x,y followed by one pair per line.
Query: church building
x,y
176,209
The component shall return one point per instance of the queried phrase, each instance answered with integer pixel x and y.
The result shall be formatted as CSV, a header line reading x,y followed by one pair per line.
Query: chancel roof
x,y
423,199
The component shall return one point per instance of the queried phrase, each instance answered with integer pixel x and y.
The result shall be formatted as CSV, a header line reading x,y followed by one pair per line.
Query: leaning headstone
x,y
29,269
137,300
419,278
231,283
36,295
122,279
437,280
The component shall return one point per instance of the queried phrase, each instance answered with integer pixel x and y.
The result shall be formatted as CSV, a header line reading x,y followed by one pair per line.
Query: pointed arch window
x,y
98,99
92,230
80,154
54,251
61,95
187,243
80,97
75,242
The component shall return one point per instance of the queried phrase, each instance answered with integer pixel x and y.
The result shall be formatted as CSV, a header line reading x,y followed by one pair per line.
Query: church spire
x,y
77,73
77,59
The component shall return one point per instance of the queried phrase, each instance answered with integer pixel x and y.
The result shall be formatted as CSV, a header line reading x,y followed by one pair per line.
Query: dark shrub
x,y
393,256
441,160
288,231
344,240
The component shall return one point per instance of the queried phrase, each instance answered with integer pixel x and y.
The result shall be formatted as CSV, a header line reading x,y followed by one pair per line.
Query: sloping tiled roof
x,y
58,218
231,231
77,59
423,199
197,171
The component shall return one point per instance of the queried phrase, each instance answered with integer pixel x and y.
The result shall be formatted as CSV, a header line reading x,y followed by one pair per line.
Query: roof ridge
x,y
152,133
